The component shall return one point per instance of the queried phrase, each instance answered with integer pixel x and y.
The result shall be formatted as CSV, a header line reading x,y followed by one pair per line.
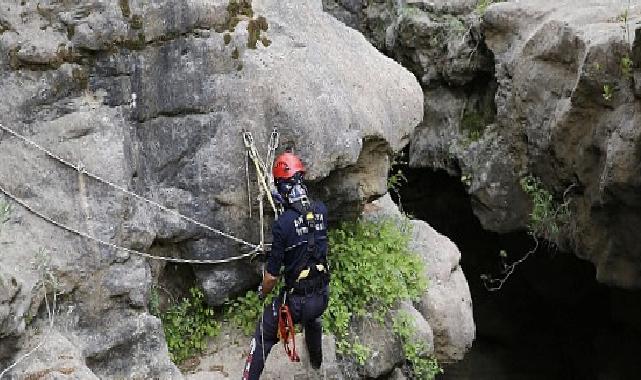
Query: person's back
x,y
300,246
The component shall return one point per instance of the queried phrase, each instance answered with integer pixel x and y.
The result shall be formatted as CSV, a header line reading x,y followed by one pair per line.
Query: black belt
x,y
309,286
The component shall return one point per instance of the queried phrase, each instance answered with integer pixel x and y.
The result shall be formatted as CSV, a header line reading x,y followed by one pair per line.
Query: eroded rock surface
x,y
547,88
447,304
153,97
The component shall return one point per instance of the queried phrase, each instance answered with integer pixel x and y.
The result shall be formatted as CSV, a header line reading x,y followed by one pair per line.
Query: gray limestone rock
x,y
227,355
542,87
152,97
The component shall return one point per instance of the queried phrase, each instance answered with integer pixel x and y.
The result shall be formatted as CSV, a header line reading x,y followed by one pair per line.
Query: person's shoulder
x,y
320,207
287,216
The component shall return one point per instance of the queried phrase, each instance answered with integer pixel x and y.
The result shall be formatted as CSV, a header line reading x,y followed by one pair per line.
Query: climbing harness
x,y
255,248
313,272
286,330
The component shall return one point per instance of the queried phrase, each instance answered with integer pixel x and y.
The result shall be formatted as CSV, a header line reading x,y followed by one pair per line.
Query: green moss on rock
x,y
136,22
253,34
124,8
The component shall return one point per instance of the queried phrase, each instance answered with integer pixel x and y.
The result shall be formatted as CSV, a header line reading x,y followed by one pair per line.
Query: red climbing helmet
x,y
287,165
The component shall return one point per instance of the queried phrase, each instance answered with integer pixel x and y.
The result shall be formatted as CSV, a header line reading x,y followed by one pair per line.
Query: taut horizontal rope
x,y
80,169
118,247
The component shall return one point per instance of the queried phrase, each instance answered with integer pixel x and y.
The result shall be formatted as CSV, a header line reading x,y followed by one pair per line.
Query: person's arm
x,y
274,261
269,282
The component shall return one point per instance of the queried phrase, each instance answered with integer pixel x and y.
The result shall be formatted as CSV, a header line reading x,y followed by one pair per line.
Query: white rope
x,y
249,193
80,168
128,250
256,248
260,168
274,141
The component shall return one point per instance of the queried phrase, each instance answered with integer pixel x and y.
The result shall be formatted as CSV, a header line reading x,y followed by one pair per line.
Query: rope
x,y
274,141
249,194
260,168
81,169
117,247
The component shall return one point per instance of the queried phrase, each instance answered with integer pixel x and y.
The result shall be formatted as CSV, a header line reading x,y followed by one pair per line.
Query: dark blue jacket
x,y
289,245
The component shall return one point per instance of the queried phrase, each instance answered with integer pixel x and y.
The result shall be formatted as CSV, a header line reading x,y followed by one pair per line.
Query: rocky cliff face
x,y
543,88
153,96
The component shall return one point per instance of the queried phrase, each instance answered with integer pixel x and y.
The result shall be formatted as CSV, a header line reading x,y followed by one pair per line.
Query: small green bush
x,y
395,176
372,270
548,216
187,326
423,366
626,67
244,311
608,92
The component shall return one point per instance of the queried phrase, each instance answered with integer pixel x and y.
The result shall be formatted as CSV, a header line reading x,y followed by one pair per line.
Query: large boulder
x,y
447,303
153,97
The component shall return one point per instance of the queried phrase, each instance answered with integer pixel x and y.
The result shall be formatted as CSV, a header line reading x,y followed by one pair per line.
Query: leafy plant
x,y
548,216
547,219
473,123
372,270
626,67
244,311
423,366
482,5
396,180
395,177
359,352
187,326
608,92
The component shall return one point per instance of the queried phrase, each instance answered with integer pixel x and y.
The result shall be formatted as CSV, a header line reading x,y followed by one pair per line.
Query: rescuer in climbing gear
x,y
300,245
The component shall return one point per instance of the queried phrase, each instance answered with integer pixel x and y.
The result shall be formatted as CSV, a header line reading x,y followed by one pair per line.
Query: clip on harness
x,y
286,330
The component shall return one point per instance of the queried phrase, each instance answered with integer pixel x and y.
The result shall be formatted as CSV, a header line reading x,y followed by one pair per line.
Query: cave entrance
x,y
551,319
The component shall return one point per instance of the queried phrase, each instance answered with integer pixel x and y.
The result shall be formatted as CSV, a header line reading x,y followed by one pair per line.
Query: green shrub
x,y
372,270
243,312
626,67
423,365
608,92
187,326
548,216
395,176
473,125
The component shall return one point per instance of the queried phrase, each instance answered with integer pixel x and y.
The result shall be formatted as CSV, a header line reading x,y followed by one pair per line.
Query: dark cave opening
x,y
551,319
